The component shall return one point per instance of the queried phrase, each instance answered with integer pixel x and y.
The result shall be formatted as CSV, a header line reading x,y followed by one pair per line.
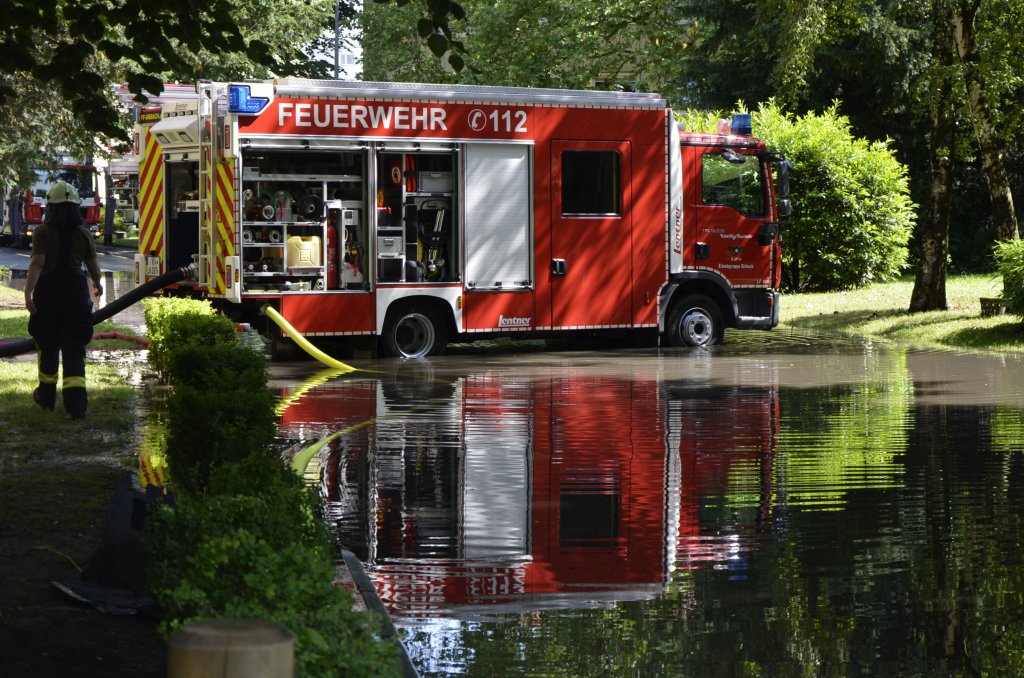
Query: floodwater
x,y
783,506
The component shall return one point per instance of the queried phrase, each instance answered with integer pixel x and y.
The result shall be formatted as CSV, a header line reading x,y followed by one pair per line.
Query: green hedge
x,y
220,410
255,549
243,537
1010,260
175,323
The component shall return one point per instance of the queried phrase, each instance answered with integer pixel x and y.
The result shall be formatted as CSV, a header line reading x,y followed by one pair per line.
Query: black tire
x,y
411,332
695,320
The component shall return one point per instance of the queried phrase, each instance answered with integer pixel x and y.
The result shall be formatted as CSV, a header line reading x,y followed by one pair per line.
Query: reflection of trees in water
x,y
968,571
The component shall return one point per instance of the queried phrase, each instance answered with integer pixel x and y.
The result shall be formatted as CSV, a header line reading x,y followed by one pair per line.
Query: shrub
x,y
175,323
220,412
852,213
258,551
243,538
210,428
1010,260
217,366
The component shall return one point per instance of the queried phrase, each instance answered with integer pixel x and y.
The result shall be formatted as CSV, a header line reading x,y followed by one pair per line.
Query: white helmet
x,y
62,191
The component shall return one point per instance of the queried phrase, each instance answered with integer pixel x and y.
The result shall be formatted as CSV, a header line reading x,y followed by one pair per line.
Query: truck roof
x,y
467,93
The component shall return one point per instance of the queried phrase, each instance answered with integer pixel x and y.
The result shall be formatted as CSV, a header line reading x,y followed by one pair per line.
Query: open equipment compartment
x,y
302,225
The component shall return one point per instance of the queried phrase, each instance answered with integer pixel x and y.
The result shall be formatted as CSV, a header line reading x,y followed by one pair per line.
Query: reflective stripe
x,y
74,382
47,378
151,198
224,221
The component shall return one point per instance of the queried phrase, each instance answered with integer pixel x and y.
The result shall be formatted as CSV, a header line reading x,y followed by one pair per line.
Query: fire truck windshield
x,y
82,178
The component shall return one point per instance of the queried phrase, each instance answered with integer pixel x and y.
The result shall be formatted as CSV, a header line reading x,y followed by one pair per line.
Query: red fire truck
x,y
31,202
419,214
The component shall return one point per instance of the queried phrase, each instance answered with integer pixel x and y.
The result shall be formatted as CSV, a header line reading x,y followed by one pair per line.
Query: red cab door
x,y
731,205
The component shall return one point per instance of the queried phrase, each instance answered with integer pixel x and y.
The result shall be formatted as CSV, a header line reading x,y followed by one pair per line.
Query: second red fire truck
x,y
423,214
25,208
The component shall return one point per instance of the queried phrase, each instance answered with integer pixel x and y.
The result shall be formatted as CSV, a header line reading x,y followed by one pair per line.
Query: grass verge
x,y
14,322
880,312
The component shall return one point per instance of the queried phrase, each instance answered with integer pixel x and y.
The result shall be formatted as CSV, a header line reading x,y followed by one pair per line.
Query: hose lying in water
x,y
304,343
19,346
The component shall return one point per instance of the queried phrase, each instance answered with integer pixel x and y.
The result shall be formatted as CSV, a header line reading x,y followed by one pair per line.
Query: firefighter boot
x,y
45,396
76,400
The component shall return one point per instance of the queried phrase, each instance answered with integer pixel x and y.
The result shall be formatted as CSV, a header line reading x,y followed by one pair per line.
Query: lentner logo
x,y
513,322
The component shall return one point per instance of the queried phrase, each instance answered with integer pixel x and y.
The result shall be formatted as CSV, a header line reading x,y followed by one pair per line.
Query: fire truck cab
x,y
80,174
420,214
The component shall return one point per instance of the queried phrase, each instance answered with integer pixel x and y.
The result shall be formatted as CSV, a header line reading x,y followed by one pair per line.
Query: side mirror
x,y
785,208
733,157
782,170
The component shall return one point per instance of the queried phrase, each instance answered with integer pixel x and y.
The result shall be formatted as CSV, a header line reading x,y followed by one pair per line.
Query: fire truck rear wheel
x,y
414,333
695,320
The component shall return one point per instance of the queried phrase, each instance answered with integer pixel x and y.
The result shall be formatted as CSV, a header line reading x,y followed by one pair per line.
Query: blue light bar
x,y
741,124
240,101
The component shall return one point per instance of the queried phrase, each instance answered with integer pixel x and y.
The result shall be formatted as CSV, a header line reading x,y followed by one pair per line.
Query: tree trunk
x,y
930,281
999,191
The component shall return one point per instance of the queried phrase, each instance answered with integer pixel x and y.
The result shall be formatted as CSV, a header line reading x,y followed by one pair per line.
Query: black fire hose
x,y
19,346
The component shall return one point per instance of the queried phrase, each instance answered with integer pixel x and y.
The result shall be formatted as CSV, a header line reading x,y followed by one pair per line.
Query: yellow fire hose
x,y
304,343
304,457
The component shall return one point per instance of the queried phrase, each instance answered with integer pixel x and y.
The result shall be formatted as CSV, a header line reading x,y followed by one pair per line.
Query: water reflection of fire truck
x,y
527,492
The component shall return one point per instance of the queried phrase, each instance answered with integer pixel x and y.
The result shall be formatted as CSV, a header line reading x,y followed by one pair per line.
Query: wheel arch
x,y
711,285
439,305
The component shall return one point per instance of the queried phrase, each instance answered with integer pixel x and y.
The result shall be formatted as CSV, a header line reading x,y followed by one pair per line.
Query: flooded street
x,y
782,506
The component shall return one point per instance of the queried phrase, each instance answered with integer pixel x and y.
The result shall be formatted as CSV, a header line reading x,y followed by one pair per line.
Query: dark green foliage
x,y
211,367
1010,259
216,426
257,550
220,412
174,324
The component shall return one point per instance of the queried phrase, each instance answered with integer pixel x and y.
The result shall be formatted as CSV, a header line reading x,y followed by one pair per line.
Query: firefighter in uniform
x,y
57,298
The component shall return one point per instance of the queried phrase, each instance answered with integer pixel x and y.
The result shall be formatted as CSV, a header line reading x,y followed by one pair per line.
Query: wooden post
x,y
231,648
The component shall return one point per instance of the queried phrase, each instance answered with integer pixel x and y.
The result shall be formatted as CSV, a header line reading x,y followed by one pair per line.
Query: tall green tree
x,y
933,236
61,56
528,43
987,79
940,78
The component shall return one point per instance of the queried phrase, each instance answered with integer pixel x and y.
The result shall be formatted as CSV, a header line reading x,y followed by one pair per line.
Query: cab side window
x,y
736,185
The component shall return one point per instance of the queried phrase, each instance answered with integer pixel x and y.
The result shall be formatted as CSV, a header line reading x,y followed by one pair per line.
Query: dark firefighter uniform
x,y
57,296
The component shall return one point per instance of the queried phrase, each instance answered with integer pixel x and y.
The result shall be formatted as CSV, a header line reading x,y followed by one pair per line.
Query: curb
x,y
368,592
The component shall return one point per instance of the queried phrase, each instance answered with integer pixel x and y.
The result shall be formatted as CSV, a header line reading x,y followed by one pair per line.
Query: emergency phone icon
x,y
477,120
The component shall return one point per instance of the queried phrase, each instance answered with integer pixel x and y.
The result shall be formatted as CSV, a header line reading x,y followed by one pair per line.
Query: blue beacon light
x,y
241,101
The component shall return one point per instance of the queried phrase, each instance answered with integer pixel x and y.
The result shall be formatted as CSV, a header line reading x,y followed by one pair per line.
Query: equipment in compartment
x,y
435,182
302,226
282,206
303,253
310,207
351,227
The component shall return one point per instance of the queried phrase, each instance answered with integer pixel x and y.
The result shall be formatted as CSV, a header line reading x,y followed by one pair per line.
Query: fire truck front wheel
x,y
413,333
695,320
